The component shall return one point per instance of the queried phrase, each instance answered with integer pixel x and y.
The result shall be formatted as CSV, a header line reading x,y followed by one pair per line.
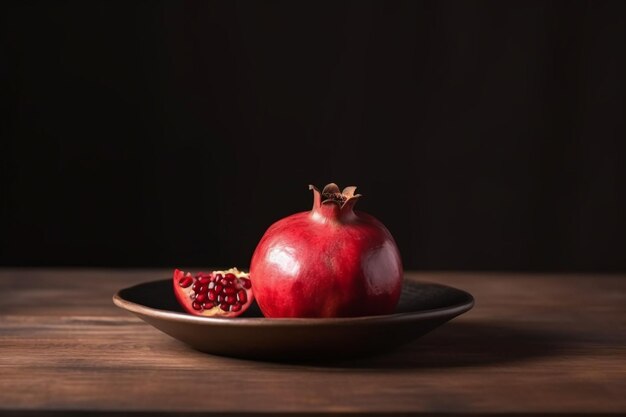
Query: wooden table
x,y
533,344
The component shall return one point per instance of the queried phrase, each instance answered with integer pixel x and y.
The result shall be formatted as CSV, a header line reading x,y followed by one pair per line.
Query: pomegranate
x,y
331,261
215,294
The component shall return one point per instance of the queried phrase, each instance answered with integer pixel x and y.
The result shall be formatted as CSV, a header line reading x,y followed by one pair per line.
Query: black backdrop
x,y
485,135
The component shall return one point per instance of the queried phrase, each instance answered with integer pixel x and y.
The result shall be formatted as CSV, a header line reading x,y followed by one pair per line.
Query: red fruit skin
x,y
329,262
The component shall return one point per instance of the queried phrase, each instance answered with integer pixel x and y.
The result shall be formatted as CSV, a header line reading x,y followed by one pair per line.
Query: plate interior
x,y
415,297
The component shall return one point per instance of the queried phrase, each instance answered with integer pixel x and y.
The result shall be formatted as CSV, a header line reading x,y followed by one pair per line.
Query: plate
x,y
422,308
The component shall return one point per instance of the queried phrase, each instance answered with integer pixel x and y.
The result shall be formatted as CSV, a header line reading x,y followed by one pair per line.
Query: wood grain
x,y
534,344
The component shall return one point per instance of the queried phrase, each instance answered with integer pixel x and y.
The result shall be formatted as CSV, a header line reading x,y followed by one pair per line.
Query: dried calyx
x,y
332,194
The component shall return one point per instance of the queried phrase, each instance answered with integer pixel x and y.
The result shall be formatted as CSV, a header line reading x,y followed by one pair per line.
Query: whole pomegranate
x,y
327,262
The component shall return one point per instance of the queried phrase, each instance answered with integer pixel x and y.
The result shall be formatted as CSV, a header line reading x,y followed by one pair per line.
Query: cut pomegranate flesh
x,y
214,294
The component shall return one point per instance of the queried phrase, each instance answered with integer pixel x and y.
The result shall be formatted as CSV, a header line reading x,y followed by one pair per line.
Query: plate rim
x,y
136,308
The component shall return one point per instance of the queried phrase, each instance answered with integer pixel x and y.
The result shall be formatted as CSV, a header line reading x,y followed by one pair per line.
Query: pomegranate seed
x,y
196,286
229,290
225,307
211,285
220,298
235,307
230,276
212,295
246,283
219,288
185,282
218,277
201,298
229,299
196,305
242,297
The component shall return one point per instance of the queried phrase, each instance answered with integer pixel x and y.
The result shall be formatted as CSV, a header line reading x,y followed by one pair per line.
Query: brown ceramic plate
x,y
422,307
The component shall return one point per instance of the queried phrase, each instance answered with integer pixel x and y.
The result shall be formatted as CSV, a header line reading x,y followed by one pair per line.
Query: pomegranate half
x,y
214,294
331,261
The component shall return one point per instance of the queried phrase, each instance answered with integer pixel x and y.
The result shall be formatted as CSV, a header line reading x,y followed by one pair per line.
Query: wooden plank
x,y
533,344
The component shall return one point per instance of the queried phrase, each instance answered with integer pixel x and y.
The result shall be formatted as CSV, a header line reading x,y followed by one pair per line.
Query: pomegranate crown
x,y
332,195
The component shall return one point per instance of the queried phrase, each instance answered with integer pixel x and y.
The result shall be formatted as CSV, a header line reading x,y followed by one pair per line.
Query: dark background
x,y
485,135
